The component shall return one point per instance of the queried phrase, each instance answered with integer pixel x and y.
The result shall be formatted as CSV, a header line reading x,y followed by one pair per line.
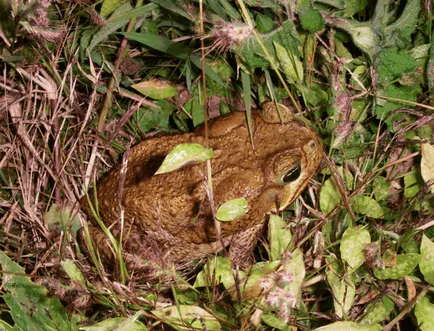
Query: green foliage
x,y
182,155
232,209
31,307
361,73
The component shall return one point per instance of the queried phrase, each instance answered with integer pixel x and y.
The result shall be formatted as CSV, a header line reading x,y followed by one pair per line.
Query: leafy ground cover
x,y
81,82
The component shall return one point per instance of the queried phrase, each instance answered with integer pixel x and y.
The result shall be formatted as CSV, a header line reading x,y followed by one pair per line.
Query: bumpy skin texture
x,y
167,217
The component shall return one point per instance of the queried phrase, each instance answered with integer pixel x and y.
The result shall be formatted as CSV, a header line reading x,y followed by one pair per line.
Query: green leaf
x,y
275,321
183,317
381,188
396,91
343,291
117,324
73,272
264,23
120,18
230,9
182,155
349,326
149,118
279,236
173,8
426,264
161,44
216,271
156,89
380,312
329,196
6,327
424,312
232,209
109,6
354,241
295,266
352,7
290,64
31,307
427,164
311,20
399,33
412,184
393,64
367,206
405,264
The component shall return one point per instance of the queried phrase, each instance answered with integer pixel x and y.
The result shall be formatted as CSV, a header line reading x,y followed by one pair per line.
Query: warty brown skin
x,y
168,216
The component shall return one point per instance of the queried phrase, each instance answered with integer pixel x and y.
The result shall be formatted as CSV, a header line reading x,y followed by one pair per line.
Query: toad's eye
x,y
292,175
312,144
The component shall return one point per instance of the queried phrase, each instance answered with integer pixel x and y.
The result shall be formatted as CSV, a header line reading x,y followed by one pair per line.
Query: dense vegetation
x,y
81,82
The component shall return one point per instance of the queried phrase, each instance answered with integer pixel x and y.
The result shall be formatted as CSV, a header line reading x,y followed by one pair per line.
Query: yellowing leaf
x,y
156,89
427,164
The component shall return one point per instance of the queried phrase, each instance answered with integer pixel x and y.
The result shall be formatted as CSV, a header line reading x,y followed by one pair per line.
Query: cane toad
x,y
167,217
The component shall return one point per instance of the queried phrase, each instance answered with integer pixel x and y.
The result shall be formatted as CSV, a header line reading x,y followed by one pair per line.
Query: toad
x,y
168,217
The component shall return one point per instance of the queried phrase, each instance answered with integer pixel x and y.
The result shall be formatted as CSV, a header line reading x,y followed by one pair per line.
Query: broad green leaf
x,y
73,272
380,312
232,209
354,241
427,164
156,89
367,206
183,317
275,321
352,7
311,20
349,326
412,184
424,312
381,188
329,196
149,118
279,236
109,6
182,155
343,293
296,267
405,264
426,264
118,324
290,63
394,63
264,23
31,307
